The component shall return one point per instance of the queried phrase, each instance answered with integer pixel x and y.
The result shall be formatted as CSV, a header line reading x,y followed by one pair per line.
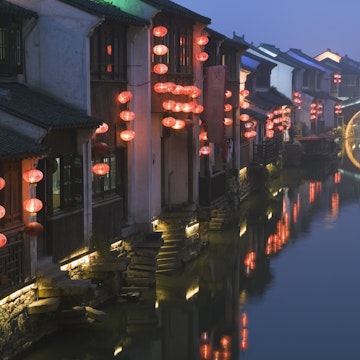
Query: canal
x,y
280,283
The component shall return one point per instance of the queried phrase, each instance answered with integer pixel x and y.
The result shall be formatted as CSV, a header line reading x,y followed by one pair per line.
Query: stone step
x,y
65,288
44,306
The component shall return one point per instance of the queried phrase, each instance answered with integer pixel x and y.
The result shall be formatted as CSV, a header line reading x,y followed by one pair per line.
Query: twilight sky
x,y
310,25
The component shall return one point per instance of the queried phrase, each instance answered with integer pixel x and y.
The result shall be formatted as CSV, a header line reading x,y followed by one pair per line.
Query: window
x,y
10,47
108,54
65,179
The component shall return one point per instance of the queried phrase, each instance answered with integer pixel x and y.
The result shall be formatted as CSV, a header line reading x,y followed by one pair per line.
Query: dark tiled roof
x,y
7,8
13,146
320,95
269,99
111,12
178,10
42,110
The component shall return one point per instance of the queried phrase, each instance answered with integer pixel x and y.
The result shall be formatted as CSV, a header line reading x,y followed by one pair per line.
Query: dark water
x,y
282,284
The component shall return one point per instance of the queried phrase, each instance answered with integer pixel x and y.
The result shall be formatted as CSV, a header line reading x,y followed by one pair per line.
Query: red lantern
x,y
168,121
202,56
100,148
168,104
160,69
103,128
3,240
33,228
227,107
101,169
225,342
33,176
179,124
244,92
244,117
2,212
159,31
177,90
160,88
203,136
205,150
202,40
205,352
2,183
198,109
228,94
32,205
124,97
178,106
160,49
127,115
228,121
244,105
127,135
188,107
250,134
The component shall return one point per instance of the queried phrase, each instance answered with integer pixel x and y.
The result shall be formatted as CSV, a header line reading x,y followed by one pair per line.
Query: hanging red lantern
x,y
160,31
168,104
33,228
3,240
178,106
124,97
127,115
179,124
244,105
103,128
270,134
228,94
33,176
245,92
2,183
205,150
202,40
228,121
250,134
225,342
244,117
195,93
101,169
32,205
169,86
160,88
160,69
127,135
227,107
177,90
100,148
198,109
248,124
2,212
168,121
188,107
203,136
160,49
202,56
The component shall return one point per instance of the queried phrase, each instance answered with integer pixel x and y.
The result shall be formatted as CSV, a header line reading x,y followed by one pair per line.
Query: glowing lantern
x,y
188,107
127,115
179,124
32,205
196,93
159,31
101,169
250,134
127,135
188,89
244,92
168,104
160,88
160,49
270,134
249,124
124,97
168,121
244,105
227,107
177,90
205,150
225,342
205,352
198,109
3,240
228,94
160,69
270,115
103,128
202,40
244,320
202,56
2,212
2,183
203,136
177,107
228,121
169,86
100,148
244,117
33,228
33,176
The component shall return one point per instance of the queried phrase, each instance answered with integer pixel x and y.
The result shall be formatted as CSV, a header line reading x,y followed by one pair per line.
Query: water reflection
x,y
269,287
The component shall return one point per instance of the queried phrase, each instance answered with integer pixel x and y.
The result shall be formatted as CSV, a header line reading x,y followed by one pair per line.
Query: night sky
x,y
309,25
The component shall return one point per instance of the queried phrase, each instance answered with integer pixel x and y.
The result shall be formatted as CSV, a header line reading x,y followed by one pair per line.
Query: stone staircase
x,y
177,247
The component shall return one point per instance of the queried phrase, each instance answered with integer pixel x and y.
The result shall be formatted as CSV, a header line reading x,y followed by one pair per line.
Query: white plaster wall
x,y
57,51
